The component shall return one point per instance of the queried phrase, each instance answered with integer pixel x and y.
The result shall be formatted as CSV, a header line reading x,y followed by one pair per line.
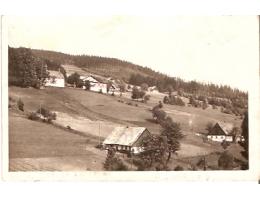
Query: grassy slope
x,y
76,102
39,146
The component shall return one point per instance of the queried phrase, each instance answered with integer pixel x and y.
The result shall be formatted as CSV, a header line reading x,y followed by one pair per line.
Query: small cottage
x,y
127,139
221,132
56,79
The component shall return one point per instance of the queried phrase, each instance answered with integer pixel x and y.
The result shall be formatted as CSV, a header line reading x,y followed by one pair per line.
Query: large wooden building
x,y
127,139
220,132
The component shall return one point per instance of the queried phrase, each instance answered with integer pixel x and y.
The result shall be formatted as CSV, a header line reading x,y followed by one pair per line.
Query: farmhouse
x,y
221,132
95,85
127,139
56,79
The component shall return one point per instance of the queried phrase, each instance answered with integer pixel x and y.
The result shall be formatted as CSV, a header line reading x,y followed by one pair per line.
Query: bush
x,y
209,126
166,100
75,79
226,111
141,165
20,105
178,168
87,85
204,105
47,114
146,98
33,116
159,115
226,161
113,163
137,94
173,100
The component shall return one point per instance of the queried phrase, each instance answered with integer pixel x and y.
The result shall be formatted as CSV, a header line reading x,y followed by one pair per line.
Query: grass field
x,y
40,146
95,115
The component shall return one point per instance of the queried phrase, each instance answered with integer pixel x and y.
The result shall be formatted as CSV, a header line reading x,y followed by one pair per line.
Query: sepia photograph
x,y
129,93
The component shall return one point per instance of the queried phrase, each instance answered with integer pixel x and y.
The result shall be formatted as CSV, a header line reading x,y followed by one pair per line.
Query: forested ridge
x,y
129,73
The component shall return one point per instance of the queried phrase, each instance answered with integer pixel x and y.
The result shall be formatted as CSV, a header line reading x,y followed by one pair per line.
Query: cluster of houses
x,y
97,84
56,79
129,139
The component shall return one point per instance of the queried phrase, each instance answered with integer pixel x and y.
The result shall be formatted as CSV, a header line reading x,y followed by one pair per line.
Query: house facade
x,y
221,132
127,139
56,79
95,85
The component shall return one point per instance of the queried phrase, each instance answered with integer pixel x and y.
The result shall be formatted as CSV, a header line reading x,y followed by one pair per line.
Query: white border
x,y
249,175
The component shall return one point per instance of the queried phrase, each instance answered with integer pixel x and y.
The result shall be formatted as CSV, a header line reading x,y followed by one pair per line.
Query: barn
x,y
127,139
220,132
56,79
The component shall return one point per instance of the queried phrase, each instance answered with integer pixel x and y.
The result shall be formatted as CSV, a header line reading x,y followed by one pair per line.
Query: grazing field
x,y
40,146
47,147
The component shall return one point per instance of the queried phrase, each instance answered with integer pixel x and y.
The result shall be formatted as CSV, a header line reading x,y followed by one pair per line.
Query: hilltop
x,y
137,74
25,70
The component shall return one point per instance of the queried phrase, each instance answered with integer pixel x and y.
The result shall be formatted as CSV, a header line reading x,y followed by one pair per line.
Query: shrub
x,y
87,85
113,163
146,98
75,79
20,105
173,100
141,165
144,86
137,94
226,111
178,168
226,161
33,116
47,114
202,98
159,115
166,100
209,127
204,105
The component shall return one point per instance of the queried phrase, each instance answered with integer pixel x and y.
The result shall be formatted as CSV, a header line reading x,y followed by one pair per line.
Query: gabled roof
x,y
90,79
226,127
124,135
55,74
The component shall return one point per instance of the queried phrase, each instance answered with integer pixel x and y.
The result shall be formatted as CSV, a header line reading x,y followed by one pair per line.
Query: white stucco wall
x,y
99,86
220,138
57,83
137,150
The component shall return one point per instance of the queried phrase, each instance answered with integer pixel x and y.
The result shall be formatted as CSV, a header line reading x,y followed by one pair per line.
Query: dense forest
x,y
122,70
26,69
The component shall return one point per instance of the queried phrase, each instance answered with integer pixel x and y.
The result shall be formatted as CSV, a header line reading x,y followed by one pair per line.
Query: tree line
x,y
138,75
25,69
29,70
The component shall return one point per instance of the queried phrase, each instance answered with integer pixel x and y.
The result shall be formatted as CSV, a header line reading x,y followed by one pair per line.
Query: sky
x,y
217,49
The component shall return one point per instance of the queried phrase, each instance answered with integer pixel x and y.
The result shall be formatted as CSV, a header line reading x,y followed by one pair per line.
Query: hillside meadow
x,y
95,115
